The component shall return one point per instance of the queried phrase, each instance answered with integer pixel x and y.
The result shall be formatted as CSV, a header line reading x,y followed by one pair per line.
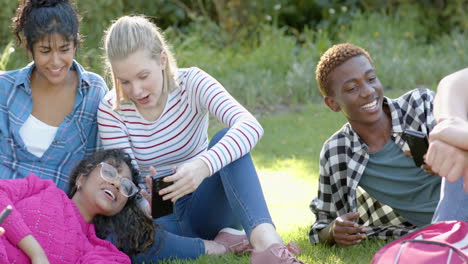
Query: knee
x,y
217,137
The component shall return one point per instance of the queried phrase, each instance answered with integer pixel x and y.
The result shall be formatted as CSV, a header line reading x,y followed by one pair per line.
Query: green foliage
x,y
5,56
440,16
269,64
272,69
401,52
336,14
7,11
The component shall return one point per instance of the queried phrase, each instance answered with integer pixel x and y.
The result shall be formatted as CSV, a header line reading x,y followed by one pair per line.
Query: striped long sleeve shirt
x,y
181,132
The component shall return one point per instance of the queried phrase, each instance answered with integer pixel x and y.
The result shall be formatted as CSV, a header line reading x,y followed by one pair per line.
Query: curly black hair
x,y
132,230
36,19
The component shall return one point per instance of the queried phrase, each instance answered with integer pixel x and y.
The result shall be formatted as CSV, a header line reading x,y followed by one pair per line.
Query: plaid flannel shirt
x,y
76,136
343,159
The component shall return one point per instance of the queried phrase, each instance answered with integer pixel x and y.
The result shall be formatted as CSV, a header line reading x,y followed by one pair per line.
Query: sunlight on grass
x,y
288,198
293,166
296,136
288,187
287,162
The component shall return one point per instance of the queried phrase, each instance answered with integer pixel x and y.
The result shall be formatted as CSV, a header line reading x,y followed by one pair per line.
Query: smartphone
x,y
4,214
159,207
418,144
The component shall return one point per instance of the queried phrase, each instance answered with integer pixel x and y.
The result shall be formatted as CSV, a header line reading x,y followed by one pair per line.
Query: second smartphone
x,y
418,144
159,207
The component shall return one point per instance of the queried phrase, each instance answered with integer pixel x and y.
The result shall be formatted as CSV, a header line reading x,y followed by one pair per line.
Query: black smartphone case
x,y
418,144
159,207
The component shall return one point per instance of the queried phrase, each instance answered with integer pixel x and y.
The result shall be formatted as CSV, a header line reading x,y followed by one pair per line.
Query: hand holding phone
x,y
159,207
5,213
418,144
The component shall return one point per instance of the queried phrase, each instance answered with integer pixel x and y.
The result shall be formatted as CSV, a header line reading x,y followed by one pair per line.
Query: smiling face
x,y
141,79
97,196
53,56
356,91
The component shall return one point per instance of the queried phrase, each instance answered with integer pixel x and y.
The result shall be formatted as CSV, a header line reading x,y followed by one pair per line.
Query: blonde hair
x,y
130,34
334,57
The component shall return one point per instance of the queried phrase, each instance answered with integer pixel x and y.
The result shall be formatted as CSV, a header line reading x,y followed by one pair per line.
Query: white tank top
x,y
37,135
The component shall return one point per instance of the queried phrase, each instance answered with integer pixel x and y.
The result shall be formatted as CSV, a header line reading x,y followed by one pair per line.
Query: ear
x,y
80,180
331,103
163,59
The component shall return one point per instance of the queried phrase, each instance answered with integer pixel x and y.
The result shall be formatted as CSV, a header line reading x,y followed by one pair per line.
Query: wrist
x,y
37,254
326,235
31,247
40,258
202,168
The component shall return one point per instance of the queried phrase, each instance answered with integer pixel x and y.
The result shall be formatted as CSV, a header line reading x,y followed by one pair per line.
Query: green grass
x,y
287,162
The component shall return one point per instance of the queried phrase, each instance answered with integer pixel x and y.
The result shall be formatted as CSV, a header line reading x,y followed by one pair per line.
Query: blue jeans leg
x,y
172,240
453,204
232,197
168,246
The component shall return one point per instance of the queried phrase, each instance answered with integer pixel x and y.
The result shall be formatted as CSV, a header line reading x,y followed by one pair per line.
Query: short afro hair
x,y
334,57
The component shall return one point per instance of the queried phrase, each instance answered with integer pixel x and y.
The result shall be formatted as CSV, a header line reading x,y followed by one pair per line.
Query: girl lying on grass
x,y
47,226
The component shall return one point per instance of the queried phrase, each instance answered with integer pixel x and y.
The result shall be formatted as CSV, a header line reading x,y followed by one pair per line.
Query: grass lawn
x,y
287,162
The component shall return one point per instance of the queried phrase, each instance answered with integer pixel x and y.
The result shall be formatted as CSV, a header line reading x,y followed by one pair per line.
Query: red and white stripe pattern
x,y
180,134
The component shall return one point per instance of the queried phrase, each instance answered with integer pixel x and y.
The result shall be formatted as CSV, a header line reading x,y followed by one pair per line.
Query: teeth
x,y
55,70
110,194
370,105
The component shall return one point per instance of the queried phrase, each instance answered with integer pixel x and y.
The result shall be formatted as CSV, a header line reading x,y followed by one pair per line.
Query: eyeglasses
x,y
110,174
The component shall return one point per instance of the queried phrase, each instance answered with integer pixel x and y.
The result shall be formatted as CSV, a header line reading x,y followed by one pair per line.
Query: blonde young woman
x,y
159,114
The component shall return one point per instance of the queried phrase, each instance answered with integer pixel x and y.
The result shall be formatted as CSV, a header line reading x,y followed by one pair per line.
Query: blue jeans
x,y
232,197
453,204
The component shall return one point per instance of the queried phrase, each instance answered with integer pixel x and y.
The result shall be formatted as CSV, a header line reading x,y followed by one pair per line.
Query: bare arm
x,y
33,250
452,131
452,96
449,136
451,110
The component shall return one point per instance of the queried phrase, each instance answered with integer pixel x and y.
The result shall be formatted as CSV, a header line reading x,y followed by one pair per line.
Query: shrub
x,y
274,64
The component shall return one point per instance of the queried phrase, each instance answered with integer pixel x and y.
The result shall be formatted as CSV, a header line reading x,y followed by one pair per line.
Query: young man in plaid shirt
x,y
368,186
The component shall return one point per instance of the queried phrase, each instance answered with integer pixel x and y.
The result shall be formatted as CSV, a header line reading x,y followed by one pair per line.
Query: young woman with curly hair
x,y
47,225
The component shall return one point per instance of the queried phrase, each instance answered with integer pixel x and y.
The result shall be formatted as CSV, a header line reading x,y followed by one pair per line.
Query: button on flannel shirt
x,y
343,159
76,136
